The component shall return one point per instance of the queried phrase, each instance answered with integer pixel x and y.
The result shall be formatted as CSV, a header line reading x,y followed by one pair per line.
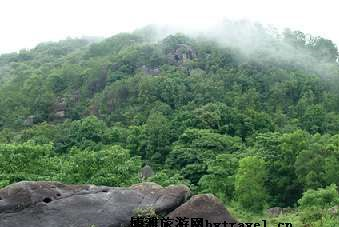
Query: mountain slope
x,y
194,108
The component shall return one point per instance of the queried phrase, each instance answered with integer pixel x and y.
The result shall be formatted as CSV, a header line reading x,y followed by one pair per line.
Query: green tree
x,y
158,137
166,177
28,161
314,204
249,184
196,147
316,167
220,177
112,166
89,132
280,151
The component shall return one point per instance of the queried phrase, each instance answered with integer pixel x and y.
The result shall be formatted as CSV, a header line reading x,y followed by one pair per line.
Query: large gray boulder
x,y
52,204
205,206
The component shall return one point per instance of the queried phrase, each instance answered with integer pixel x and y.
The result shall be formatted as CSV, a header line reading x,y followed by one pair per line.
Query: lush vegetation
x,y
257,128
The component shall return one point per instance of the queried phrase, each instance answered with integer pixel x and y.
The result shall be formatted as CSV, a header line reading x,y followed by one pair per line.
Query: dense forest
x,y
256,125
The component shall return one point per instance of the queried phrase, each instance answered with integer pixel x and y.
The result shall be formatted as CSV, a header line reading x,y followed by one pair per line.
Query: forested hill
x,y
198,111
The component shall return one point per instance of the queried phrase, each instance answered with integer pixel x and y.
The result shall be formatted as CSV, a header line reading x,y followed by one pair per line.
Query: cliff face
x,y
52,204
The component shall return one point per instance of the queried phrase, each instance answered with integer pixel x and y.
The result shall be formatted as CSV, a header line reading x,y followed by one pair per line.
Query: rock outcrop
x,y
150,71
333,210
146,172
205,206
181,54
42,204
276,211
29,121
52,204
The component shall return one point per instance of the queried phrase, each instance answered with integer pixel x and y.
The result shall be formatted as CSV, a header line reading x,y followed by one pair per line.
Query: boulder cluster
x,y
52,204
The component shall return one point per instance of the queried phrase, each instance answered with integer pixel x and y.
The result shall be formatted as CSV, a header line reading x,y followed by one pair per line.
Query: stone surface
x,y
276,211
60,114
150,71
205,206
334,210
146,172
42,204
29,121
181,54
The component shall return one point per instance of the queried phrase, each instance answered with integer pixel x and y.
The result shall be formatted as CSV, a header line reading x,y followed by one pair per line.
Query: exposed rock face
x,y
59,115
333,210
205,206
51,204
181,54
276,211
59,109
21,195
29,121
146,172
150,71
60,105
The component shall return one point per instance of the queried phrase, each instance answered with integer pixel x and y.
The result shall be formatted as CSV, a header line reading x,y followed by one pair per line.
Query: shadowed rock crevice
x,y
47,200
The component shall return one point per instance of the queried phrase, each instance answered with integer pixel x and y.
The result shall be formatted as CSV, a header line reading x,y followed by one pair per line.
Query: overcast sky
x,y
25,23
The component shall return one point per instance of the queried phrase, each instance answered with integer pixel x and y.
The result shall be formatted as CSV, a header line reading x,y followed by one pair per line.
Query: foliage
x,y
220,177
320,198
249,183
111,166
27,161
315,204
167,177
145,212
